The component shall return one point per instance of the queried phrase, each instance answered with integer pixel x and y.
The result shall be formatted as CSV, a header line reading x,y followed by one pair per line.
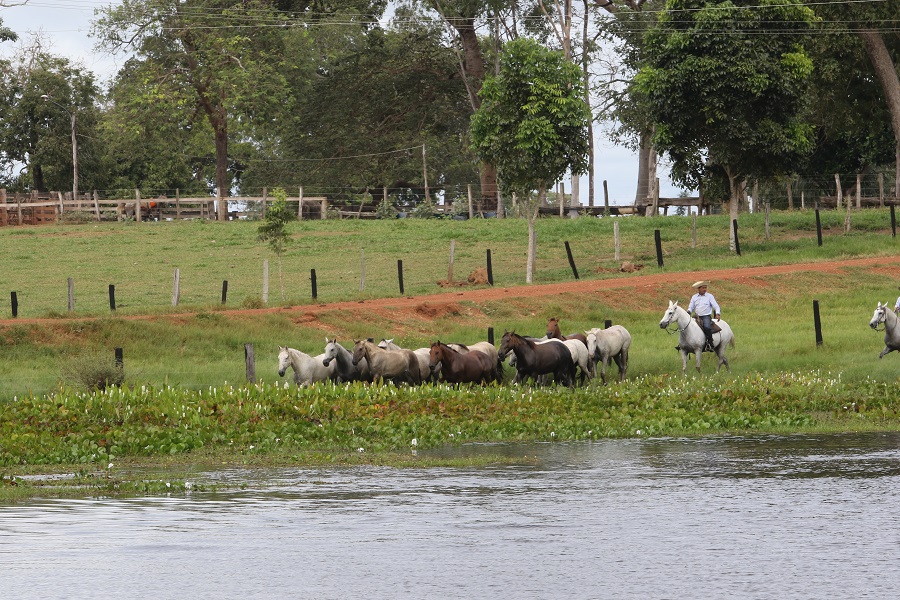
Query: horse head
x,y
553,328
284,360
669,315
331,351
878,316
435,355
360,351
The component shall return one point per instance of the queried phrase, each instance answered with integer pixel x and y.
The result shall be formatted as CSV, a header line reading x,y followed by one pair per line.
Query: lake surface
x,y
727,517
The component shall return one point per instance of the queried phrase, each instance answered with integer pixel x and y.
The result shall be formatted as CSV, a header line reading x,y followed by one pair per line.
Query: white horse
x,y
344,369
423,355
883,314
307,369
604,344
692,338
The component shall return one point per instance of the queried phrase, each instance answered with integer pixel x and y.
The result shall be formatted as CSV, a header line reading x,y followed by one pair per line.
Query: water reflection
x,y
761,517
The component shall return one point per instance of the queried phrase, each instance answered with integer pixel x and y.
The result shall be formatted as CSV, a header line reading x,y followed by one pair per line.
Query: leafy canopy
x,y
725,83
532,123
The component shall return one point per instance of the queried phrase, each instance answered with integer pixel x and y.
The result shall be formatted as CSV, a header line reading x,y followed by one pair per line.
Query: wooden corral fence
x,y
37,208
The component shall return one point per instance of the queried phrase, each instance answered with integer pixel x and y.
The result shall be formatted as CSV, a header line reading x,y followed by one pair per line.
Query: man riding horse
x,y
705,306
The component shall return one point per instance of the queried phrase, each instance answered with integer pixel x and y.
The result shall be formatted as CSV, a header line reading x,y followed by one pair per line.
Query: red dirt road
x,y
580,286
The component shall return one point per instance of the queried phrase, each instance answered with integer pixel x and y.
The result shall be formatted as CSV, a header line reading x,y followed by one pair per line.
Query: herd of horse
x,y
566,359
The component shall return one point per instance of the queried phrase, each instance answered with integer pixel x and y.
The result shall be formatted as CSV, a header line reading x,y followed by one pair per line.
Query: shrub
x,y
93,371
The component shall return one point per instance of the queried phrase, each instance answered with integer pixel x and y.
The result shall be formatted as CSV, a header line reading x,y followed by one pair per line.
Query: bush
x,y
93,371
385,210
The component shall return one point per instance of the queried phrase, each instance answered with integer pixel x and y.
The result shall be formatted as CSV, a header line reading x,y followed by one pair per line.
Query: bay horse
x,y
553,333
693,340
456,367
344,369
485,347
883,314
538,359
307,369
612,342
397,365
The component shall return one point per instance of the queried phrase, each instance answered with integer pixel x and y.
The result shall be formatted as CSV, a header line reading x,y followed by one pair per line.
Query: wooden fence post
x,y
250,363
571,260
71,294
119,358
97,205
659,255
450,268
840,193
362,272
178,203
224,291
176,293
400,274
469,191
616,239
817,323
112,297
858,190
14,304
265,289
312,279
490,269
137,205
300,205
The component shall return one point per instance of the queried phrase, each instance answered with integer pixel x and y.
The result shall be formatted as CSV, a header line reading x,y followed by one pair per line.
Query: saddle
x,y
713,327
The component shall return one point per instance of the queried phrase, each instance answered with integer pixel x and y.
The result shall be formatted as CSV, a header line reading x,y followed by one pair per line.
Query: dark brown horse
x,y
553,333
538,359
455,367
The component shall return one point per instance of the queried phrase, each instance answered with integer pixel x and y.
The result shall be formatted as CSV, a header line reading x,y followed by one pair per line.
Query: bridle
x,y
671,320
881,321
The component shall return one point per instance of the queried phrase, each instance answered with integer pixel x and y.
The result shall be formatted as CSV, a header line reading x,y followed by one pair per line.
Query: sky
x,y
65,25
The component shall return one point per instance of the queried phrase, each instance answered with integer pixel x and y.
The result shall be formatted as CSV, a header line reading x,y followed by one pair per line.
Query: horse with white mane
x,y
883,314
307,369
612,342
693,340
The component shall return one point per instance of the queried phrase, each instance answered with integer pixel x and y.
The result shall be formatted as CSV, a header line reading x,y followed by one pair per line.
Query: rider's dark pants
x,y
706,322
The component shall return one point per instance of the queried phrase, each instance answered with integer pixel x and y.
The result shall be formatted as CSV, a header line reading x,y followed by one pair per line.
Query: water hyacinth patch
x,y
72,427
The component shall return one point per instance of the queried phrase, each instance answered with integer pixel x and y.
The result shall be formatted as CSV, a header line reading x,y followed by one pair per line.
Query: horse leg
x,y
684,357
885,351
603,369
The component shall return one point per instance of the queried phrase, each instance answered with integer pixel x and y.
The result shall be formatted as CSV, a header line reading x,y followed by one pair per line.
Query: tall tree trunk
x,y
587,100
646,169
473,70
736,189
533,208
37,175
890,83
222,186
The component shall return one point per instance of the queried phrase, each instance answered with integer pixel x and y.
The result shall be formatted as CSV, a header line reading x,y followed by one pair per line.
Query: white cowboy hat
x,y
700,284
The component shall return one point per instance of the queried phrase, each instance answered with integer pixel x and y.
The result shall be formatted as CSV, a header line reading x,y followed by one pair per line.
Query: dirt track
x,y
580,286
411,303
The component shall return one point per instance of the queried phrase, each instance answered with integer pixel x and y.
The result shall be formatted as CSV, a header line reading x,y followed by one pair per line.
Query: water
x,y
767,517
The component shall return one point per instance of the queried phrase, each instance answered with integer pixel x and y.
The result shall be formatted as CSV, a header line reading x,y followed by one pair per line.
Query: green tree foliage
x,y
728,101
274,231
532,124
225,51
35,134
387,91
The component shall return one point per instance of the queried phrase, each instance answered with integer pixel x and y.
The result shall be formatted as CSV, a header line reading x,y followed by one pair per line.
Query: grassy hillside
x,y
203,345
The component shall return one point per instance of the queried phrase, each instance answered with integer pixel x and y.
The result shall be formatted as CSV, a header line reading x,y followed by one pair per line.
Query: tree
x,y
727,101
224,51
36,132
274,229
532,124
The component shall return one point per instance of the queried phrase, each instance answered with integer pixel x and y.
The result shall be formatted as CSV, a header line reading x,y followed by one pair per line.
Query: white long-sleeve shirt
x,y
704,304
